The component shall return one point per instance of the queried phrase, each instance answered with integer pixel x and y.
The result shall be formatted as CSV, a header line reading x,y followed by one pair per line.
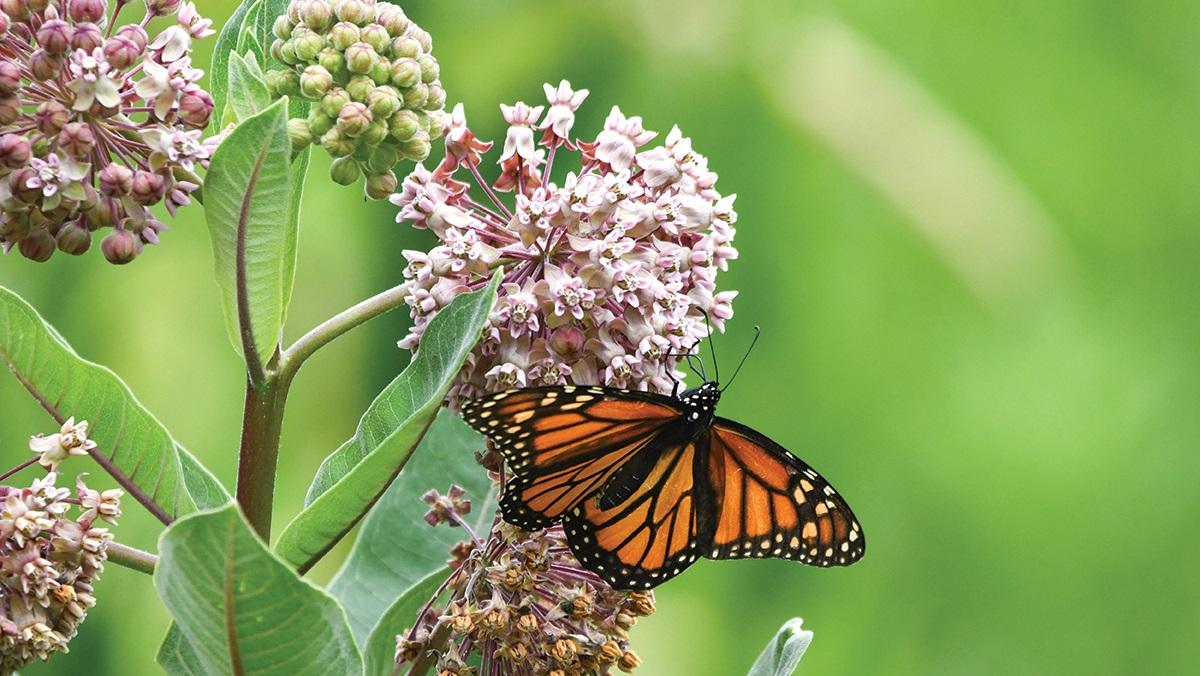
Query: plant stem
x,y
262,422
293,357
131,558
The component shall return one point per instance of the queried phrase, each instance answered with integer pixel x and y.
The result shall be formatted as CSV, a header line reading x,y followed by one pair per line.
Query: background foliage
x,y
969,235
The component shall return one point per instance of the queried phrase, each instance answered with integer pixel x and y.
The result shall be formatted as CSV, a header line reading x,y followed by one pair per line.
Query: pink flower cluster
x,y
608,276
48,564
98,123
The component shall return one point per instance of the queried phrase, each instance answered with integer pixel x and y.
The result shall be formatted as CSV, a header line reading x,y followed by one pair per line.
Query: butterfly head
x,y
700,403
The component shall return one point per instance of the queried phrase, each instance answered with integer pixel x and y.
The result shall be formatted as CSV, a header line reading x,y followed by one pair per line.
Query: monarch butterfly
x,y
644,483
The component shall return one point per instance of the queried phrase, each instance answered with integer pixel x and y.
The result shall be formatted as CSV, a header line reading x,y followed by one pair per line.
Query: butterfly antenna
x,y
757,333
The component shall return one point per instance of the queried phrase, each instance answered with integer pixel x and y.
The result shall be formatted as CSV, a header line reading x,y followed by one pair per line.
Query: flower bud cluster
x,y
519,603
374,82
608,277
49,563
99,122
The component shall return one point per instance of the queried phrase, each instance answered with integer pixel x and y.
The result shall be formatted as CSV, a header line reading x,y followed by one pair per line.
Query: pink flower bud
x,y
116,180
162,7
77,140
354,119
196,108
51,117
19,184
121,247
10,78
567,341
44,66
55,37
134,32
17,9
361,58
87,36
74,238
121,52
148,188
87,10
10,109
37,246
14,150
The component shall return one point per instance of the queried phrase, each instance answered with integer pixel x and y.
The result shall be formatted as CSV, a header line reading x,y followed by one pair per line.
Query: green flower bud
x,y
318,122
415,96
406,72
16,227
287,53
343,35
308,46
300,134
344,171
336,144
37,246
376,36
422,37
354,119
315,82
282,28
383,157
331,60
288,83
381,74
277,49
334,101
360,87
383,101
403,124
416,148
436,125
316,15
405,47
429,68
381,185
361,58
354,11
437,97
392,18
375,134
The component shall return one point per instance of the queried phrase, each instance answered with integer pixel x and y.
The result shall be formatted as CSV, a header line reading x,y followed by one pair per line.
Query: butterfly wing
x,y
657,527
772,504
563,444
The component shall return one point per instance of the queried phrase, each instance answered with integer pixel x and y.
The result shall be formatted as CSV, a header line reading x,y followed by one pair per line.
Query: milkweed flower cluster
x,y
523,605
49,562
608,275
98,123
370,72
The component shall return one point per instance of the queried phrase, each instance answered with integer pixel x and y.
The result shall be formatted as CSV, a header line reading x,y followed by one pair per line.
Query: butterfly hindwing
x,y
563,443
772,504
658,526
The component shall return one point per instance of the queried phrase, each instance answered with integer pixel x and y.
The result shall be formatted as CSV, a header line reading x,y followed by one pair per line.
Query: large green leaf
x,y
379,654
783,653
351,479
241,609
396,549
133,443
248,203
248,95
227,44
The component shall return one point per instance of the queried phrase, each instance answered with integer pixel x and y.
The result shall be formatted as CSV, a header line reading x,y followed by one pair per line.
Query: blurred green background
x,y
969,232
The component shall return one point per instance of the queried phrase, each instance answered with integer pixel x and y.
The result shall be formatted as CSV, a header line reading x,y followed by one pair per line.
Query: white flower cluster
x,y
608,277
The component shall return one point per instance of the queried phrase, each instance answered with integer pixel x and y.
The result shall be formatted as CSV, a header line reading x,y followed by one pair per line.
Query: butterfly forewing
x,y
563,443
655,532
772,504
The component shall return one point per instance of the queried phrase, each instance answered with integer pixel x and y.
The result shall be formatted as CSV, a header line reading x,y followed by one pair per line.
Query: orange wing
x,y
649,523
772,504
563,443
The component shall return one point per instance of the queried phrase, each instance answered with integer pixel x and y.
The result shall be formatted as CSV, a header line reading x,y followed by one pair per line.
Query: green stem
x,y
133,559
262,421
293,358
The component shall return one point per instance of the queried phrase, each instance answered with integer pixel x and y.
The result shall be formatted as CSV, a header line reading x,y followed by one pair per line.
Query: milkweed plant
x,y
591,258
